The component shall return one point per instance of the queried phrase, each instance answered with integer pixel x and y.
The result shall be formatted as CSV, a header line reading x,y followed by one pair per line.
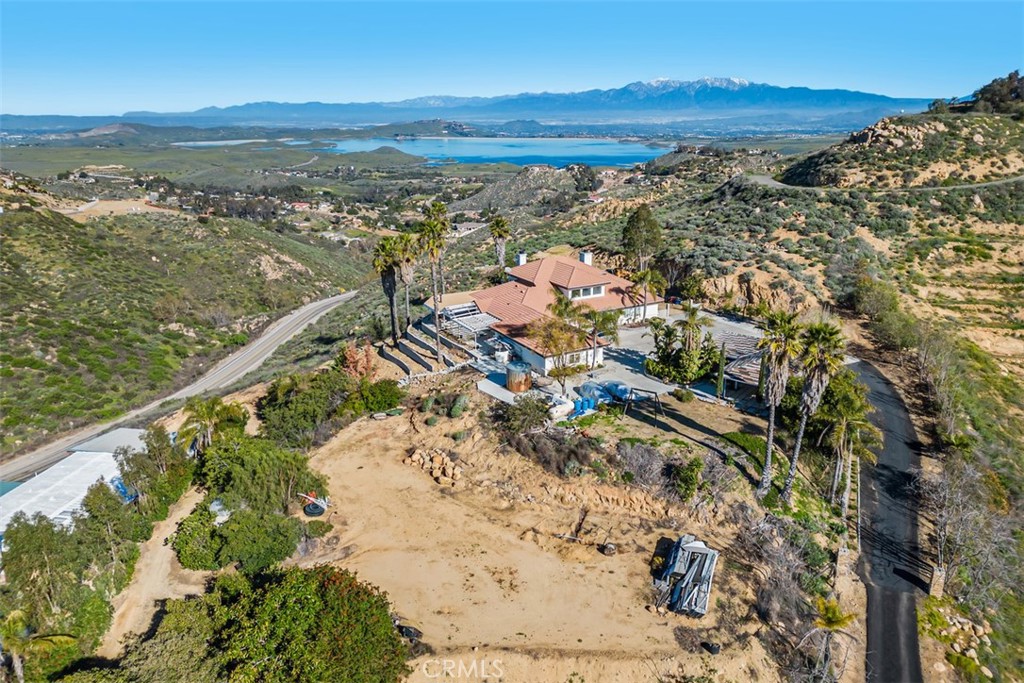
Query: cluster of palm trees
x,y
396,257
817,349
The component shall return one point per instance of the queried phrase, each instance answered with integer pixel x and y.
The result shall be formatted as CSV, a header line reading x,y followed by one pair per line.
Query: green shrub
x,y
526,414
682,395
257,541
459,435
427,405
382,395
317,528
195,543
432,420
687,478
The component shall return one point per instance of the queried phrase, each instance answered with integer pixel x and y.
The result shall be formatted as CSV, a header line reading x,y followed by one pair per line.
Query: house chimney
x,y
521,258
587,257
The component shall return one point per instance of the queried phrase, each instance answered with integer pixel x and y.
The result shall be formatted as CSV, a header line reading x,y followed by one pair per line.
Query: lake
x,y
522,151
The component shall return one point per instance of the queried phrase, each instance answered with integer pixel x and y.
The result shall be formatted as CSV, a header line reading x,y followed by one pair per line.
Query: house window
x,y
573,359
586,292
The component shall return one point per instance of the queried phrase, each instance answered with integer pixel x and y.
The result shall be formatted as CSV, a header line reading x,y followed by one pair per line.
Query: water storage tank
x,y
517,376
501,355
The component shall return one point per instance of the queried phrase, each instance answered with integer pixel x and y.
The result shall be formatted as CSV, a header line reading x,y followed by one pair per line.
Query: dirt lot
x,y
480,569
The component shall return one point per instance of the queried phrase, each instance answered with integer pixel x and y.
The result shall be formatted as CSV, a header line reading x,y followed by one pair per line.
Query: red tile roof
x,y
518,303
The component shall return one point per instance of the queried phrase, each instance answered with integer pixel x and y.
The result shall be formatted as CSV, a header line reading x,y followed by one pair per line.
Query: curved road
x,y
890,561
225,373
768,181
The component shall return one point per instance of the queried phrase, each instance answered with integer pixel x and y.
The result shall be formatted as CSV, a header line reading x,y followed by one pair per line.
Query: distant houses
x,y
503,314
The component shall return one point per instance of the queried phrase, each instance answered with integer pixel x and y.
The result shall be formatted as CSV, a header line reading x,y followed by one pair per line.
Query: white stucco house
x,y
508,309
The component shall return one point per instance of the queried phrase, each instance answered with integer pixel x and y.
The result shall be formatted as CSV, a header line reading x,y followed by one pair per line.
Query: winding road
x,y
226,372
768,181
890,561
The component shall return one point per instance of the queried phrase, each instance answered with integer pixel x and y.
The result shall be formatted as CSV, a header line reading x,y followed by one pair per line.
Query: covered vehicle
x,y
684,584
594,391
620,391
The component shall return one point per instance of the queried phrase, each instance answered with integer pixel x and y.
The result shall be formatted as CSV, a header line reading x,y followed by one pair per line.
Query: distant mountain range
x,y
708,103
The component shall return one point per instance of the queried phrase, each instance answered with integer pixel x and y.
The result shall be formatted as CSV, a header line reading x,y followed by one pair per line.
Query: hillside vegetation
x,y
101,316
927,150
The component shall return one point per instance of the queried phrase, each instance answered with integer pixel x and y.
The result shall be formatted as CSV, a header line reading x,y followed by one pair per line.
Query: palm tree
x,y
851,438
18,642
205,417
386,257
781,344
831,621
433,235
822,357
691,325
566,309
646,282
601,323
437,213
500,232
408,255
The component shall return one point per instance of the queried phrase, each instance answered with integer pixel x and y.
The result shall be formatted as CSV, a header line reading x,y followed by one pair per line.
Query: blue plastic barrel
x,y
577,406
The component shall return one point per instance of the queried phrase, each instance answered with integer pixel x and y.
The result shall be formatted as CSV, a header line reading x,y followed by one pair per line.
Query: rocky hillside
x,y
103,315
532,187
927,150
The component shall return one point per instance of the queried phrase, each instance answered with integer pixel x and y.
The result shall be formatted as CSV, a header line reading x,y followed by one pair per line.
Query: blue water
x,y
8,486
522,151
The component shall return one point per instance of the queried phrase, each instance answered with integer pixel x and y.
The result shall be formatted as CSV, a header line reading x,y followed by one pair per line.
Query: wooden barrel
x,y
517,377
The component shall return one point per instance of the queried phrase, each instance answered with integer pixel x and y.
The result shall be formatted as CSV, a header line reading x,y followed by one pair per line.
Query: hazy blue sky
x,y
111,57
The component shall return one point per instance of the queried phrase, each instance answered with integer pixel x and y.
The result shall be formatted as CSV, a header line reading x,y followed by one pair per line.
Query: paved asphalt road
x,y
225,373
890,561
768,181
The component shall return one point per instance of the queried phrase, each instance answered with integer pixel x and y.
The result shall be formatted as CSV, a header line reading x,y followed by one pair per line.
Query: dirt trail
x,y
157,576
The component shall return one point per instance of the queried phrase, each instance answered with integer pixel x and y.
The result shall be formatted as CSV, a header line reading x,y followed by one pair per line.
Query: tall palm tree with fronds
x,y
782,345
437,213
204,418
500,232
645,283
386,258
408,255
821,358
604,324
433,235
830,622
691,325
851,436
18,642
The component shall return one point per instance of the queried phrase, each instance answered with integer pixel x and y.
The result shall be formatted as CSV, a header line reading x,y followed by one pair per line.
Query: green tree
x,y
821,358
557,339
433,236
830,622
691,325
646,283
781,344
257,541
206,418
641,236
17,642
386,259
500,232
308,626
196,542
601,324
